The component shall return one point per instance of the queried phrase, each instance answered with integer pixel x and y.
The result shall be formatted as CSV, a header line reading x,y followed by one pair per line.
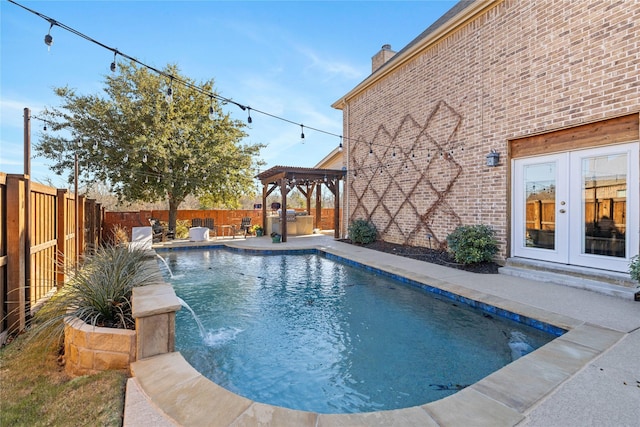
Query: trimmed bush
x,y
362,231
470,244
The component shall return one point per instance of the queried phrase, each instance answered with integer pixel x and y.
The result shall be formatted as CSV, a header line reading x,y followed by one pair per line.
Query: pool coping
x,y
502,398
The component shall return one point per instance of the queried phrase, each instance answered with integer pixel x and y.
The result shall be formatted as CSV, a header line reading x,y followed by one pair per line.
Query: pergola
x,y
305,180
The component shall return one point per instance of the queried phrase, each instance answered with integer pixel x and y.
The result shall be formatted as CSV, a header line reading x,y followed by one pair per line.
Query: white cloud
x,y
328,66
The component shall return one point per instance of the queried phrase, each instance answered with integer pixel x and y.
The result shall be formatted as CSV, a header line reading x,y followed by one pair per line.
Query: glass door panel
x,y
540,198
604,221
604,200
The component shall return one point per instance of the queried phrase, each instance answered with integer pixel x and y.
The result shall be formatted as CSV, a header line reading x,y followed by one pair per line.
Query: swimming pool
x,y
305,332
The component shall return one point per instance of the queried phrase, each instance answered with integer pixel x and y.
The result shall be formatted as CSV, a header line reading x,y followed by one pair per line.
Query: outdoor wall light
x,y
493,158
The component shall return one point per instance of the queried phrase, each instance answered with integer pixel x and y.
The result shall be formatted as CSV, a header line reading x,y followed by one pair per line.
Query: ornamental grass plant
x,y
99,292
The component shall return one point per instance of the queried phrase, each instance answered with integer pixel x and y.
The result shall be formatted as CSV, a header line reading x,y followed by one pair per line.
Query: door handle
x,y
562,210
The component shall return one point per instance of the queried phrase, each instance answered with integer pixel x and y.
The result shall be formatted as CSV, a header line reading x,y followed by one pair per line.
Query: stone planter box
x,y
89,349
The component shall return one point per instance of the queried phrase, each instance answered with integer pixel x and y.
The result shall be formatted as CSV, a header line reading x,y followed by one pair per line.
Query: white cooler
x,y
141,238
199,234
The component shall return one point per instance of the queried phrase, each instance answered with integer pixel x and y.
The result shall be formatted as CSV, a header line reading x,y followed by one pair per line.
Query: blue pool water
x,y
305,332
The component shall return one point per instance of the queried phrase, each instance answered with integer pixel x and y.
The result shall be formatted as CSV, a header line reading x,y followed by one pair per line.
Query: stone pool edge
x,y
501,399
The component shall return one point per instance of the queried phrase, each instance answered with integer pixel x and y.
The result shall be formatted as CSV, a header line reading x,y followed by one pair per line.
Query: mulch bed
x,y
433,256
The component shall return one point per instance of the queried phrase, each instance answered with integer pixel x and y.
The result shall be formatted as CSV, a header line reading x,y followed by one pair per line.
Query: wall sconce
x,y
493,158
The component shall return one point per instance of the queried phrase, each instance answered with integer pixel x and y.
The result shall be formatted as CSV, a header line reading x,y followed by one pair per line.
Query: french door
x,y
578,207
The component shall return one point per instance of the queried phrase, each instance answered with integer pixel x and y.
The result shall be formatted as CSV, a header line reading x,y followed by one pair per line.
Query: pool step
x,y
606,282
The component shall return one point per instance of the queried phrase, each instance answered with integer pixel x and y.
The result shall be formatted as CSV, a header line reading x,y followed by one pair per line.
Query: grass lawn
x,y
35,391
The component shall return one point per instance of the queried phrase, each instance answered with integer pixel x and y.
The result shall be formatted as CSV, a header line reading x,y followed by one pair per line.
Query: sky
x,y
291,59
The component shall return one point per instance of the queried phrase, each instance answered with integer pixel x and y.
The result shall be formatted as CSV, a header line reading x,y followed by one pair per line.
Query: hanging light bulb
x,y
144,158
146,179
95,145
370,149
79,143
249,119
212,113
158,179
340,146
113,64
126,158
48,39
302,132
45,126
394,153
169,96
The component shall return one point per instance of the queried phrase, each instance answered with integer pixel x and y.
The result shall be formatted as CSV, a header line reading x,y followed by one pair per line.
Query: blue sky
x,y
290,59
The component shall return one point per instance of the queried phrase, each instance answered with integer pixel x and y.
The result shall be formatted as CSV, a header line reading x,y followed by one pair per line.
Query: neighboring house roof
x,y
459,14
333,160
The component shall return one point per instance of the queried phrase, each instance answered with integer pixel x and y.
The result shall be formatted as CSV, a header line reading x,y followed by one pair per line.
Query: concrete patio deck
x,y
590,376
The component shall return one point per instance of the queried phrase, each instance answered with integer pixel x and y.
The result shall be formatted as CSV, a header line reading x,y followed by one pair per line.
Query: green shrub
x,y
362,231
634,268
472,243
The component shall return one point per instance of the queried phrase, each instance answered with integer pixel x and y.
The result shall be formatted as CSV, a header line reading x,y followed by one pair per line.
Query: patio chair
x,y
157,230
245,225
210,224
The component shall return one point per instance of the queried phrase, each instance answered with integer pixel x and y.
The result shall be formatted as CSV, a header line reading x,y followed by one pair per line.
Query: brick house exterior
x,y
523,79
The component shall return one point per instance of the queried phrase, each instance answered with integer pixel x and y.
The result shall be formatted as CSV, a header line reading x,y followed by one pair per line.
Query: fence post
x,y
16,267
61,237
81,227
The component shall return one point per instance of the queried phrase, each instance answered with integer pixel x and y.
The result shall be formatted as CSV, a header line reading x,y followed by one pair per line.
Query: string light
x,y
113,64
212,113
169,97
302,131
169,94
48,39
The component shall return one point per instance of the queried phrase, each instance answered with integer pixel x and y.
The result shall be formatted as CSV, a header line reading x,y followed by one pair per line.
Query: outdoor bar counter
x,y
297,224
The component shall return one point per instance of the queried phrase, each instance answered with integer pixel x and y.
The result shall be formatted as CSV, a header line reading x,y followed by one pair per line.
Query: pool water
x,y
308,333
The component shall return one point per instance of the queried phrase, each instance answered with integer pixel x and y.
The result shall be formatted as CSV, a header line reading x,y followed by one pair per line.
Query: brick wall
x,y
522,67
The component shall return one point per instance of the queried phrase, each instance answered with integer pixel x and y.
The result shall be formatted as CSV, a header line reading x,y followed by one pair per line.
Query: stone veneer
x,y
90,349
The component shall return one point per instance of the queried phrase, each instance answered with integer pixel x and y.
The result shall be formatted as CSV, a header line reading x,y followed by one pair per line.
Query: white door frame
x,y
559,253
577,254
569,209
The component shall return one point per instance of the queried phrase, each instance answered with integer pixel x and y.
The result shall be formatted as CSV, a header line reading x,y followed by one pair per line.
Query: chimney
x,y
381,58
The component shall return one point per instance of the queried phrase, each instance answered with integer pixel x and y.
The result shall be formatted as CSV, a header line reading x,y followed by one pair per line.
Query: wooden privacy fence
x,y
40,240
